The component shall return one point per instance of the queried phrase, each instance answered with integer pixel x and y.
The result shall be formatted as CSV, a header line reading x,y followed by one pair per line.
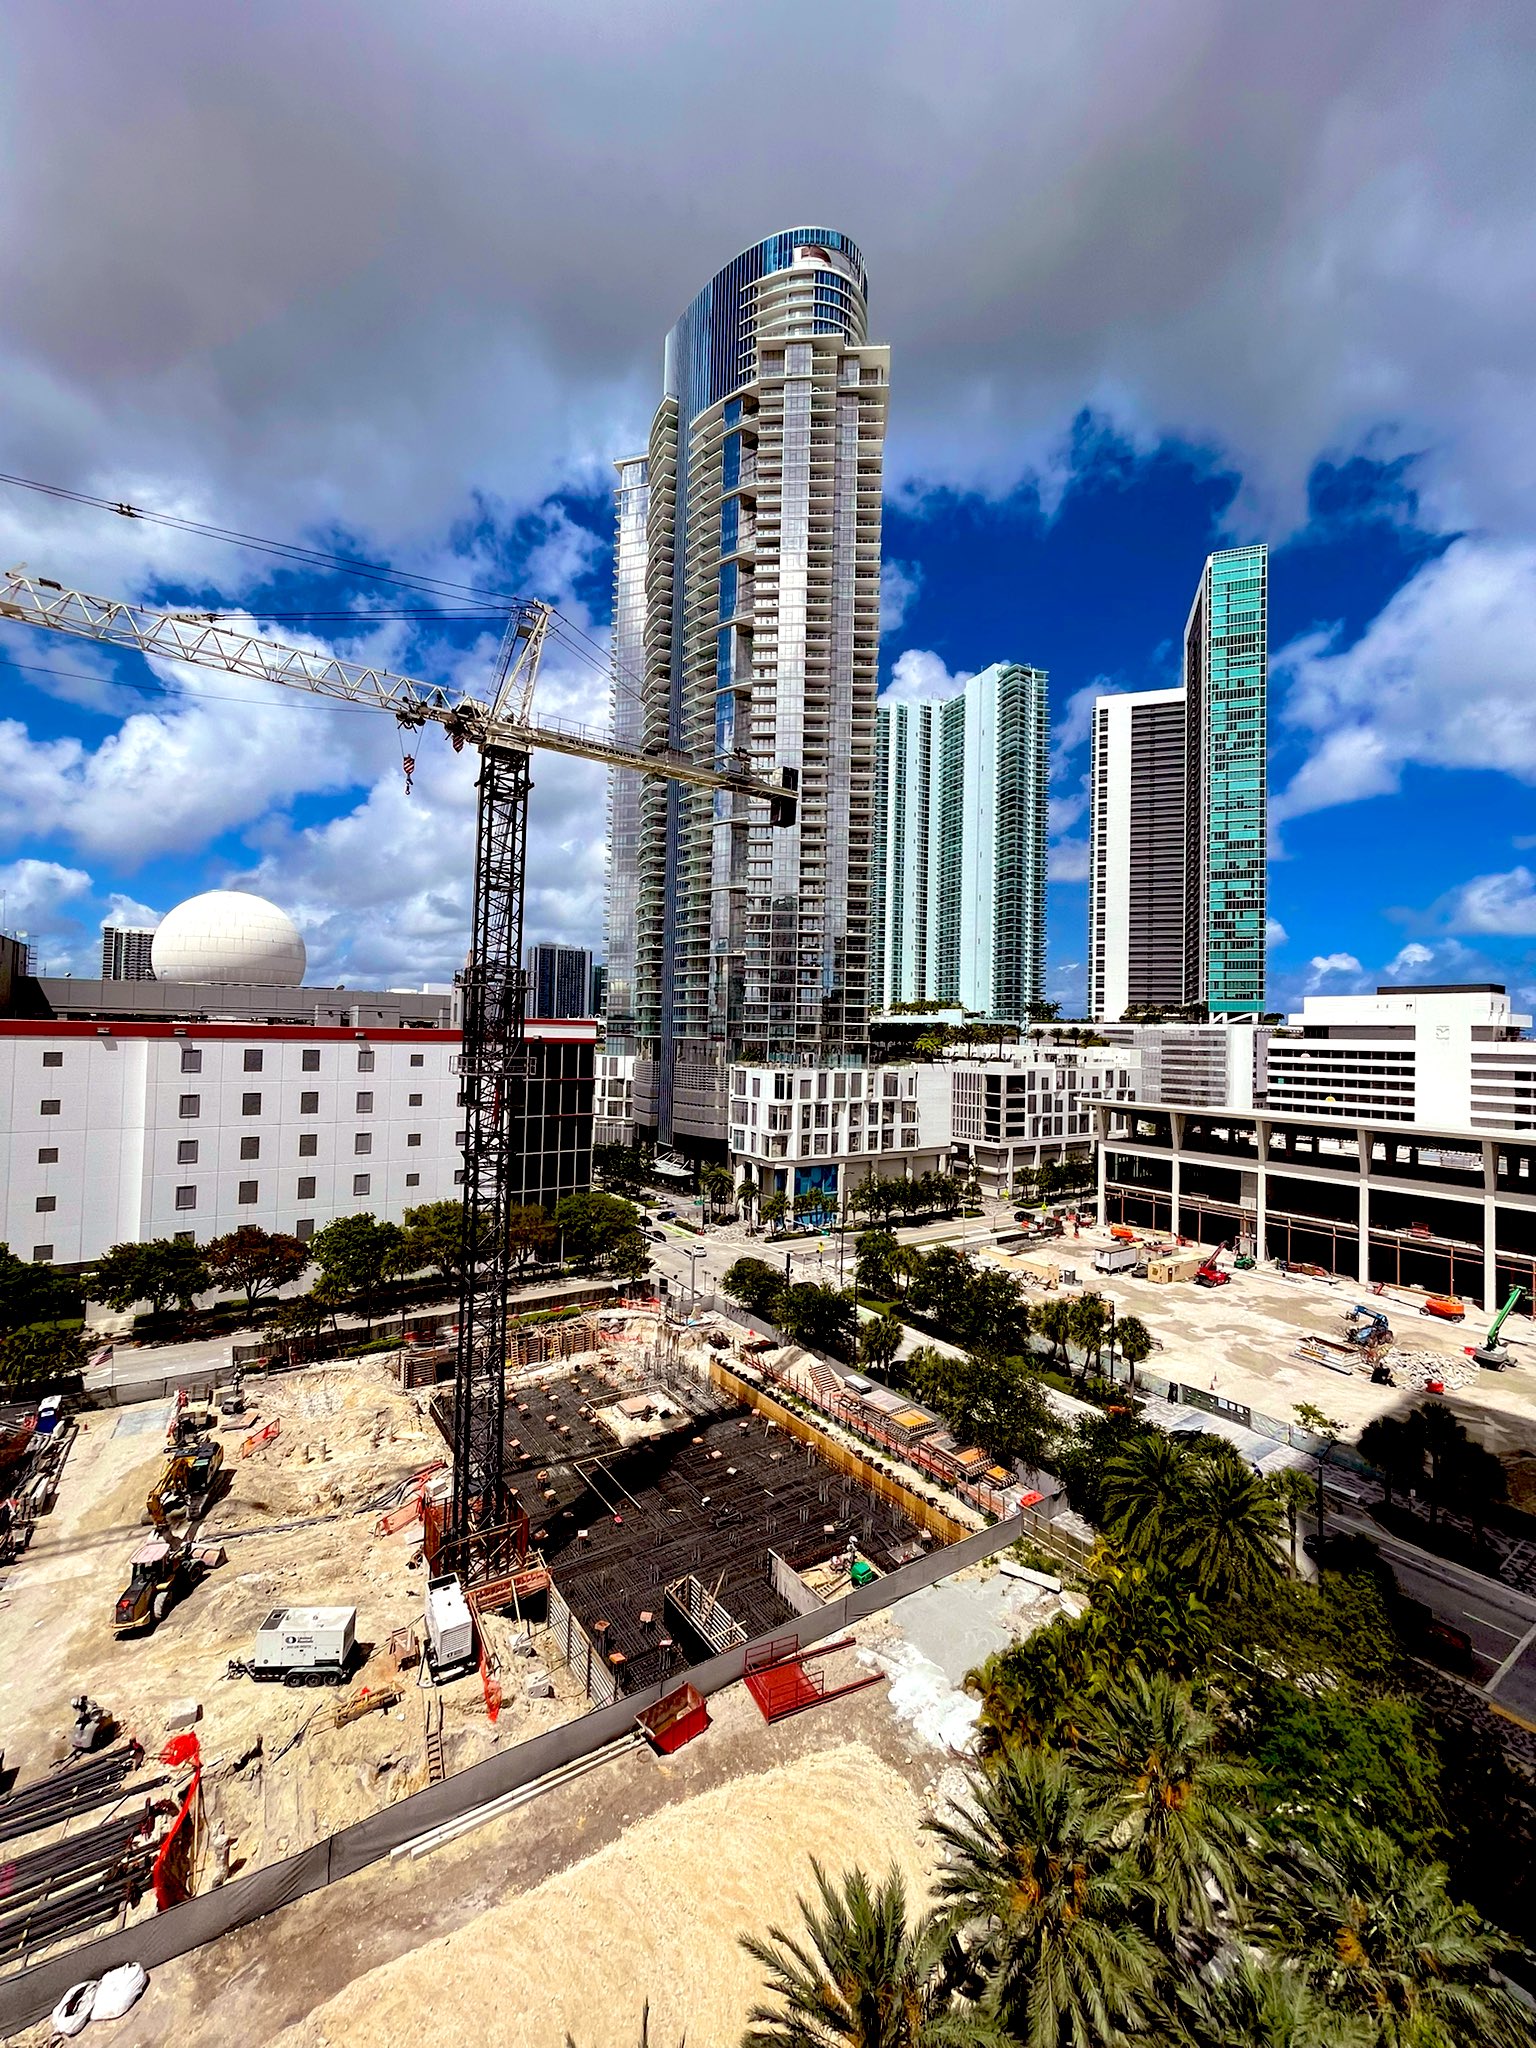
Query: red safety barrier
x,y
490,1685
169,1878
260,1438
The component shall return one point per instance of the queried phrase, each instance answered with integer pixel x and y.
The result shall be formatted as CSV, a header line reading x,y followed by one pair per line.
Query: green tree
x,y
622,1169
859,1975
1053,1320
756,1285
39,1355
821,1318
1262,2002
1377,1930
1133,1340
1325,1751
434,1236
718,1187
1394,1444
259,1262
1313,1419
1033,1857
598,1232
1088,1320
875,1263
530,1234
1152,1754
30,1293
1293,1490
880,1340
1144,1494
1227,1534
357,1255
161,1271
773,1207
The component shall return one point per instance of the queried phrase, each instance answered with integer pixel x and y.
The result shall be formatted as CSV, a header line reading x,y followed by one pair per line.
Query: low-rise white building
x,y
1034,1105
1449,1057
613,1099
1204,1065
800,1130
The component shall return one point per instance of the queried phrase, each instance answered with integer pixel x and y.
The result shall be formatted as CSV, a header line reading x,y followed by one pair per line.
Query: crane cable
x,y
569,634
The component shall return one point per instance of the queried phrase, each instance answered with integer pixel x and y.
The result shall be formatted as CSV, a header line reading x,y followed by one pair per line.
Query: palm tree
x,y
1144,1491
1228,1538
773,1207
859,1976
1263,2003
1053,1319
1146,1748
1294,1490
1378,1932
1130,1336
1036,1882
1087,1318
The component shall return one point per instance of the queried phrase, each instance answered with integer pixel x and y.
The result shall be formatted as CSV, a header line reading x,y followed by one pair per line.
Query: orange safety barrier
x,y
490,1685
171,1874
260,1438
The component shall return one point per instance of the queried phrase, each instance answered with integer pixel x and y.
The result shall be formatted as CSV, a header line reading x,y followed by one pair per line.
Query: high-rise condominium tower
x,y
632,501
1176,904
960,837
125,954
761,598
559,980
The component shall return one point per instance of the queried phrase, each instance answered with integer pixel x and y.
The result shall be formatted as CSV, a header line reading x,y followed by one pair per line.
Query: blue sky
x,y
1164,314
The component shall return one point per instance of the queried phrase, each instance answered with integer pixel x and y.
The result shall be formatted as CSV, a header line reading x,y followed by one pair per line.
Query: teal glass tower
x,y
1226,676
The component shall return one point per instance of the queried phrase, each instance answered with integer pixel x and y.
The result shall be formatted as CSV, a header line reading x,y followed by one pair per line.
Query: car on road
x,y
659,1237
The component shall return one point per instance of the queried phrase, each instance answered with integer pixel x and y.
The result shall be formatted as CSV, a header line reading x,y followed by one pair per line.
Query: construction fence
x,y
31,1994
576,1647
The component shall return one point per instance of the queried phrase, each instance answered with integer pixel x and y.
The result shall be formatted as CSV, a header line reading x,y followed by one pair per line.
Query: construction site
x,y
657,1519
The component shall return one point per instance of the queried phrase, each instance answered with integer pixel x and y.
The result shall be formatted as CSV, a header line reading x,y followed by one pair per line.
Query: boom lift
x,y
1369,1328
1493,1352
495,1061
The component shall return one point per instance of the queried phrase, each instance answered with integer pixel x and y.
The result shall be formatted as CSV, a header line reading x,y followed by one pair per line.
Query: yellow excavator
x,y
186,1483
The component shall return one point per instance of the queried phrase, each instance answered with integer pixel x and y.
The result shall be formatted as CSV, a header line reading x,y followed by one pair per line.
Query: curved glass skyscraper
x,y
761,626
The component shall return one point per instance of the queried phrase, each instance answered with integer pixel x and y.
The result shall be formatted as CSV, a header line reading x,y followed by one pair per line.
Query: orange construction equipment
x,y
1449,1308
1122,1234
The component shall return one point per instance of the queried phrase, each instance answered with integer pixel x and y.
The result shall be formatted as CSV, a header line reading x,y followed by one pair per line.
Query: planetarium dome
x,y
225,935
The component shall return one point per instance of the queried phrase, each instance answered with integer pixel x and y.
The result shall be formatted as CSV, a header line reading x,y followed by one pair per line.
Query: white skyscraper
x,y
761,634
960,846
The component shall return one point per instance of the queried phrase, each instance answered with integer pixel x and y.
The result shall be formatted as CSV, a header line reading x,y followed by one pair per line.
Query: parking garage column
x,y
1260,1189
1364,1166
1490,1225
1176,1139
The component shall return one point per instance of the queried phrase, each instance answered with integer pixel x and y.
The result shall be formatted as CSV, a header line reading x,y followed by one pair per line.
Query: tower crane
x,y
494,1067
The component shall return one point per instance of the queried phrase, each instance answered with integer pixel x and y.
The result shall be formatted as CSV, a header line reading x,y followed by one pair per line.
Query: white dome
x,y
226,935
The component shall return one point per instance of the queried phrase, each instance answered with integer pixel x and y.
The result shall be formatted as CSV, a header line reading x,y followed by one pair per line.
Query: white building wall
x,y
1448,1058
978,876
120,1127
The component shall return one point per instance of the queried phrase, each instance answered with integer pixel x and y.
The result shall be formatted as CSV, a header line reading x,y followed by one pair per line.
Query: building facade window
x,y
413,1101
247,1192
365,1102
310,1060
186,1198
309,1144
364,1060
53,1059
413,1180
360,1183
42,1254
48,1155
418,1059
304,1229
363,1142
250,1105
46,1204
253,1059
413,1137
250,1148
309,1102
191,1059
186,1151
49,1106
306,1187
191,1105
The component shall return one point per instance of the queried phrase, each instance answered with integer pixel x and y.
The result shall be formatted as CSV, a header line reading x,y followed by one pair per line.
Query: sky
x,y
389,282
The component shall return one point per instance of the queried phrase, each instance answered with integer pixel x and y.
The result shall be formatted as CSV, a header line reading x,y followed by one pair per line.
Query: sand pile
x,y
655,1915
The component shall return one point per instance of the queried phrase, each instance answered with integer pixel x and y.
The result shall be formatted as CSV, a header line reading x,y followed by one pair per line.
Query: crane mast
x,y
496,1065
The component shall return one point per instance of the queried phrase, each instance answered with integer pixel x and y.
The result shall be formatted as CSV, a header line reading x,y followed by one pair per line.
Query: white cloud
x,y
1068,860
1504,905
919,677
1074,725
1410,959
127,910
900,583
1441,678
1275,933
1330,966
33,890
